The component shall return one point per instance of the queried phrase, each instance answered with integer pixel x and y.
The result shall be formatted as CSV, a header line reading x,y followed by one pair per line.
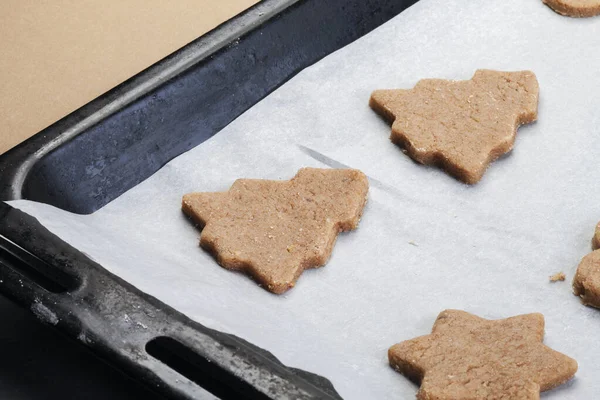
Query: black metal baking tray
x,y
93,155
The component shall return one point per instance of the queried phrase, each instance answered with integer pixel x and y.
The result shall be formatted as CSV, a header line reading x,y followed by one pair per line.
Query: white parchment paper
x,y
426,242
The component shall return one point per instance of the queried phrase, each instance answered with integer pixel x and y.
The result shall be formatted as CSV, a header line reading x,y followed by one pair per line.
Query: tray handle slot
x,y
201,370
30,267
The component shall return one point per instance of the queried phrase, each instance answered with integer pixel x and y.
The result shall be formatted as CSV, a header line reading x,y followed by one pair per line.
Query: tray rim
x,y
17,162
132,318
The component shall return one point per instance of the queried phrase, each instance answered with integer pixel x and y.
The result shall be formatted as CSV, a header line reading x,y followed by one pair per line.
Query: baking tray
x,y
98,152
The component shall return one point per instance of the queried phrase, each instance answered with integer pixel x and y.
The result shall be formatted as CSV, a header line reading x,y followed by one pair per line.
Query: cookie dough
x,y
468,357
274,230
586,283
461,126
575,8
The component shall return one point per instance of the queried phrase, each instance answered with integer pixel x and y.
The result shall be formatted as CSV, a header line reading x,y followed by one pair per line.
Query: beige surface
x,y
57,55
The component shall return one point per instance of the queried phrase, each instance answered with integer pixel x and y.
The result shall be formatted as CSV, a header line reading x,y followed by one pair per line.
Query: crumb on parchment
x,y
559,276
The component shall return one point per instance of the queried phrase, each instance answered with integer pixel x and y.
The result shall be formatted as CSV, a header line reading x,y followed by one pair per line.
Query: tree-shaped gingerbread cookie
x,y
274,230
461,126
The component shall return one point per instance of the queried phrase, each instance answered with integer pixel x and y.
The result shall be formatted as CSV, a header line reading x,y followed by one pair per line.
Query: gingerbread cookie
x,y
467,357
575,8
596,238
274,230
460,125
586,283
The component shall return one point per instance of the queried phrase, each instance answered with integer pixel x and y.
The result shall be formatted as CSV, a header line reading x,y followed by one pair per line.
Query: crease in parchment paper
x,y
487,249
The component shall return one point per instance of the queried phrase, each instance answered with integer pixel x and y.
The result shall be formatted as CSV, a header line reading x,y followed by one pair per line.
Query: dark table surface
x,y
37,362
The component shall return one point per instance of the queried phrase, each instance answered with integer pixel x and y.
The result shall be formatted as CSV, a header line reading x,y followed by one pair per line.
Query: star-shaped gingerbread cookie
x,y
461,126
575,8
274,230
467,357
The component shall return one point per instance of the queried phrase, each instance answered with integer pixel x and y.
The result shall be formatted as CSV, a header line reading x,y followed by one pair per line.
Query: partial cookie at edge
x,y
575,8
586,283
596,238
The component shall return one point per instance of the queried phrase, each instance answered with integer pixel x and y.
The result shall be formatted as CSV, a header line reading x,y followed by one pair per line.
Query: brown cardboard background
x,y
57,55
